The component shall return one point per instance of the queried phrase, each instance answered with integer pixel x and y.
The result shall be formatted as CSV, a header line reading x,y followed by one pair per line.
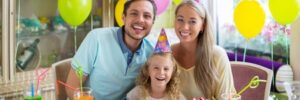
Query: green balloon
x,y
177,2
74,12
284,11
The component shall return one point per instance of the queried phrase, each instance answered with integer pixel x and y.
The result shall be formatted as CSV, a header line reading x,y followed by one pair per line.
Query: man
x,y
111,57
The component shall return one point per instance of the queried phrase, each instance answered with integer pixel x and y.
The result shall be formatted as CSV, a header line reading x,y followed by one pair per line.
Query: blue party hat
x,y
162,44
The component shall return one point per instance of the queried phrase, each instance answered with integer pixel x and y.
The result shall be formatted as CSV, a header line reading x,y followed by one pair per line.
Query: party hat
x,y
162,44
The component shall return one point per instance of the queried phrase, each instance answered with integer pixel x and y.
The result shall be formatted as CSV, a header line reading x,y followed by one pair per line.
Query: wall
x,y
30,8
165,19
0,52
295,48
0,37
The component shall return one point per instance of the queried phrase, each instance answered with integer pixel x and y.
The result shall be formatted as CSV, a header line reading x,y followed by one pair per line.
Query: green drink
x,y
29,94
38,97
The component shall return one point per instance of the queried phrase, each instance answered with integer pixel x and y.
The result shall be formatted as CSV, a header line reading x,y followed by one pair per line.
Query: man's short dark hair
x,y
129,2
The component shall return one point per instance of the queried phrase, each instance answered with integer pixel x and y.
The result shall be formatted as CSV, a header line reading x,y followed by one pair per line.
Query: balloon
x,y
284,11
177,2
249,18
119,12
161,5
74,12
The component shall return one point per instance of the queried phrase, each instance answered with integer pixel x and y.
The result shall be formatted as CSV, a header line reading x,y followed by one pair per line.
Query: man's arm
x,y
73,81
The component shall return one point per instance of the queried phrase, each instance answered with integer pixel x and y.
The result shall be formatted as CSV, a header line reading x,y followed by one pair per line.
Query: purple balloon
x,y
162,5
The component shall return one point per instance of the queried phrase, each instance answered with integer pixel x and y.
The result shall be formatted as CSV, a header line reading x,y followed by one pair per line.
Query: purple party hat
x,y
162,44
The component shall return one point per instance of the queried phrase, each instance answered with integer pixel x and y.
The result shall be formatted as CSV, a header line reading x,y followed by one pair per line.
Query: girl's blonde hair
x,y
144,80
205,74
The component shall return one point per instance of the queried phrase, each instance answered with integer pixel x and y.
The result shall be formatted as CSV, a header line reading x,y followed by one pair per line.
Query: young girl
x,y
158,79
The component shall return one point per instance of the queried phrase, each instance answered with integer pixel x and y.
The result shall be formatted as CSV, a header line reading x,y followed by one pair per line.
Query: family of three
x,y
119,63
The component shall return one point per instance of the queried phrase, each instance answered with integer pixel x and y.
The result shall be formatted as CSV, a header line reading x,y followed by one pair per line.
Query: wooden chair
x,y
62,69
243,72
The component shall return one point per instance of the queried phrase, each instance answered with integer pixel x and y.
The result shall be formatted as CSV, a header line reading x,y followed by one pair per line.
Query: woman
x,y
205,68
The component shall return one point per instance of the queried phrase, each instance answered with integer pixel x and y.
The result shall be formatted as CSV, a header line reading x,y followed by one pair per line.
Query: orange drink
x,y
83,94
84,98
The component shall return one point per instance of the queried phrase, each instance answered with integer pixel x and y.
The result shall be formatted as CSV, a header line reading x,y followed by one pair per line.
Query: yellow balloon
x,y
74,12
284,11
119,12
249,18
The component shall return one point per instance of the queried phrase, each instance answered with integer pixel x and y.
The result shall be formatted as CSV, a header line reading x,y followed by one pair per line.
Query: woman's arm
x,y
223,67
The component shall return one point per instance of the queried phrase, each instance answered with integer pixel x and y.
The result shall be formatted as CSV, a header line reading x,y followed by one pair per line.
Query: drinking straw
x,y
254,83
79,72
64,84
57,87
32,89
40,77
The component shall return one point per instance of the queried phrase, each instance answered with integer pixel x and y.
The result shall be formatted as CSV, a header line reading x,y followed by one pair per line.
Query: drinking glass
x,y
293,89
230,96
29,95
83,94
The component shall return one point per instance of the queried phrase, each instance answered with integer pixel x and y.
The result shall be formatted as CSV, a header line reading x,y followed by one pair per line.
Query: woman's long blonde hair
x,y
205,74
144,80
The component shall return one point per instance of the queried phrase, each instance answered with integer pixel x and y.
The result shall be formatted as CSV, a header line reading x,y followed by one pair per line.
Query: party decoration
x,y
162,44
161,5
177,2
119,12
284,12
249,18
74,12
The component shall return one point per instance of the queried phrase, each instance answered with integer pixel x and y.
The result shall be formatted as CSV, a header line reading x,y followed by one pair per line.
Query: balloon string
x,y
245,50
75,38
92,23
286,45
272,57
235,45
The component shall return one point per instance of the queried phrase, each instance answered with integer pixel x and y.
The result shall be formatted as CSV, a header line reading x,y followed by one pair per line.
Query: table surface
x,y
279,96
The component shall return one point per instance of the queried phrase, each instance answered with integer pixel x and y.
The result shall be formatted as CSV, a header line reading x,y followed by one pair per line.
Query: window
x,y
261,45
